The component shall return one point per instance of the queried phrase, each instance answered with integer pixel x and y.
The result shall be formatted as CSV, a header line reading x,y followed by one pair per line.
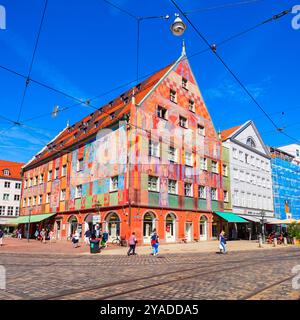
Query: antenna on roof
x,y
183,52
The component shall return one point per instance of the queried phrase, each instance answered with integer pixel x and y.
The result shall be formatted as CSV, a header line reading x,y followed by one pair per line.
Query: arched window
x,y
250,142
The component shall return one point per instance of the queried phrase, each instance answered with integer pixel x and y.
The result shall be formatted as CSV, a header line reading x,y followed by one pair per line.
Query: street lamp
x,y
263,214
28,225
177,27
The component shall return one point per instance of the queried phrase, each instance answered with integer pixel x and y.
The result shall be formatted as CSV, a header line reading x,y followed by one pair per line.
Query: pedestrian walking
x,y
75,239
51,236
1,237
19,233
36,234
104,239
132,244
154,242
222,242
87,236
43,236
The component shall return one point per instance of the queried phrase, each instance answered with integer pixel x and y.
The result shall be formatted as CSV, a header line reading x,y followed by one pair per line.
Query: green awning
x,y
33,218
230,217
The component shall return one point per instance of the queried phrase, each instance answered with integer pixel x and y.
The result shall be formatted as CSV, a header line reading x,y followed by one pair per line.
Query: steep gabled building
x,y
251,176
151,158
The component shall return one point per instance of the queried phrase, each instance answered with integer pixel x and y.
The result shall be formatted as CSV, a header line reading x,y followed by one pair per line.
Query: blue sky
x,y
87,48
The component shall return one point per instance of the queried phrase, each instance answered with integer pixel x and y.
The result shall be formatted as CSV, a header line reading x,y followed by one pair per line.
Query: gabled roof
x,y
103,117
225,134
13,167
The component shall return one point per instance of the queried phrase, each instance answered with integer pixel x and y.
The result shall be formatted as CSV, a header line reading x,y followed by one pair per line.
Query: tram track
x,y
140,284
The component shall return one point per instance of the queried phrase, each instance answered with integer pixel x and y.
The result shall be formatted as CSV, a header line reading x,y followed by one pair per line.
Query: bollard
x,y
275,242
285,241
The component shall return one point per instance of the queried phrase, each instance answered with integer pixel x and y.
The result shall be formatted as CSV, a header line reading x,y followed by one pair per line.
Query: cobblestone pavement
x,y
258,274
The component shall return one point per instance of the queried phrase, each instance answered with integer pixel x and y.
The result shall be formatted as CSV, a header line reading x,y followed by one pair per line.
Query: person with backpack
x,y
1,237
104,239
154,243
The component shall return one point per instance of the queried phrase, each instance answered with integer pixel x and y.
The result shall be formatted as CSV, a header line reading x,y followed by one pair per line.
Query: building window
x,y
241,156
25,184
236,197
188,157
10,211
162,112
41,178
78,192
63,194
250,142
64,170
192,105
153,183
36,179
48,197
56,173
172,186
79,164
17,211
30,182
49,175
236,174
184,83
225,170
173,96
235,153
201,130
154,149
246,158
188,190
6,184
225,195
214,167
114,183
40,199
214,194
34,200
6,172
201,192
203,163
24,202
5,196
16,197
2,210
172,155
182,122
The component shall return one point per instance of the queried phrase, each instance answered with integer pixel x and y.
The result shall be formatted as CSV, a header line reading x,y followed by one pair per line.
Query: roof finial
x,y
183,52
68,123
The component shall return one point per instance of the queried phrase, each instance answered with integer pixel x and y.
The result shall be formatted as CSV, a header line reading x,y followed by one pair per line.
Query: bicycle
x,y
117,241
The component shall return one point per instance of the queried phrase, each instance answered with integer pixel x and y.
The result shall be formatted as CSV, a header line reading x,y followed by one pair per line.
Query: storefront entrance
x,y
57,229
170,228
73,224
113,226
203,228
188,231
148,226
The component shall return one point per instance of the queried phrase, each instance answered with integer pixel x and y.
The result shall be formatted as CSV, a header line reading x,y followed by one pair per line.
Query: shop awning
x,y
33,218
250,218
270,220
230,217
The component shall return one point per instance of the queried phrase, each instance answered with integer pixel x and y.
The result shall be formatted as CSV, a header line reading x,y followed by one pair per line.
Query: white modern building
x,y
10,192
251,176
294,150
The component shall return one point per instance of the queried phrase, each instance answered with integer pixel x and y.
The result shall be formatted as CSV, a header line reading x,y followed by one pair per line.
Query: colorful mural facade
x,y
122,151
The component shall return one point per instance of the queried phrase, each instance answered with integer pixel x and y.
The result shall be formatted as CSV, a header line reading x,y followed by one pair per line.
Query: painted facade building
x,y
151,158
10,193
286,184
251,176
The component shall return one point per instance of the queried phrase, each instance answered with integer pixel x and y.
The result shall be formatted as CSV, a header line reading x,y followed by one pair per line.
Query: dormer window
x,y
96,124
6,172
138,87
250,142
112,115
111,103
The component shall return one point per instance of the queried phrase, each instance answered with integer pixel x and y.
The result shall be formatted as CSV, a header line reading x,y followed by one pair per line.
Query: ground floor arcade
x,y
171,225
